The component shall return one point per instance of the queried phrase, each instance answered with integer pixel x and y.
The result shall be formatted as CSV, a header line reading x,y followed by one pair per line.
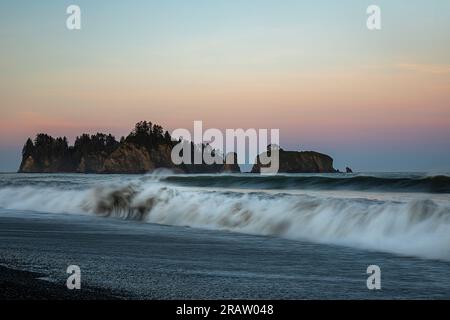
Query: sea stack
x,y
299,162
145,149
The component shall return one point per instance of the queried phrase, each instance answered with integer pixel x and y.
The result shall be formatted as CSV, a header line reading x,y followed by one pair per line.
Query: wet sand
x,y
134,260
24,285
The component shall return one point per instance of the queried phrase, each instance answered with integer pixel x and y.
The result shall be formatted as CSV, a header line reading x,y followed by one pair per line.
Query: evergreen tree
x,y
28,148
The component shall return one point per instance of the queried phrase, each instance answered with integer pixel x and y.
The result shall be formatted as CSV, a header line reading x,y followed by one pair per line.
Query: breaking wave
x,y
428,184
418,227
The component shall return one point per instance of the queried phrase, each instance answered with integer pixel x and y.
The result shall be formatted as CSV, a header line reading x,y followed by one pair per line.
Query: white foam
x,y
416,227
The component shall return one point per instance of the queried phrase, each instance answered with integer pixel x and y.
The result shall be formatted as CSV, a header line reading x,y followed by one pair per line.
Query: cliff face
x,y
143,150
128,158
28,165
300,162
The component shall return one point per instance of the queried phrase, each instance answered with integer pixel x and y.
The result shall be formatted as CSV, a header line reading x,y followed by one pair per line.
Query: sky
x,y
373,100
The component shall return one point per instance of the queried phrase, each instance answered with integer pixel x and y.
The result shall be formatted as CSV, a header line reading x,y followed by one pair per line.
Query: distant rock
x,y
233,167
91,163
128,158
299,162
145,149
28,165
348,170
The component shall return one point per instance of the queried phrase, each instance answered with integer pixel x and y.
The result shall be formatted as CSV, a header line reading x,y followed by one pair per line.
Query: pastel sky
x,y
373,100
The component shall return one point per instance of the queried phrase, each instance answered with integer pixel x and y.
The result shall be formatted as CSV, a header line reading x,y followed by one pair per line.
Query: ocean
x,y
290,236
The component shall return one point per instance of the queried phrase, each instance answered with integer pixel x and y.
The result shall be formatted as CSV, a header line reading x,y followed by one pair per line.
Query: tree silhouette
x,y
28,149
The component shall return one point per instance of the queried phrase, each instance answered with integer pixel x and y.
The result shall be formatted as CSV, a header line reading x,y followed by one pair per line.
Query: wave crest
x,y
419,227
429,184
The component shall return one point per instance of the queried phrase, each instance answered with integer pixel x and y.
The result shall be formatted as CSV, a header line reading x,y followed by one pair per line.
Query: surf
x,y
414,227
380,183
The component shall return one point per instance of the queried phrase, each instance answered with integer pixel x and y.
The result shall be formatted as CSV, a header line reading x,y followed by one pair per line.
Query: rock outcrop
x,y
231,163
128,158
28,165
145,149
299,162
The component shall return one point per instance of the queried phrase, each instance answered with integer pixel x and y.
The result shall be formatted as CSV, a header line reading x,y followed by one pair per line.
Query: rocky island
x,y
146,148
298,162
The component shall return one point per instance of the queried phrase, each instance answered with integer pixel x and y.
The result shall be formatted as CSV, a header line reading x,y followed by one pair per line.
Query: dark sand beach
x,y
25,285
133,260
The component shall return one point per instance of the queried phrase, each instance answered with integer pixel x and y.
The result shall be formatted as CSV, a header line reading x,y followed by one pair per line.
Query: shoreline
x,y
128,260
17,284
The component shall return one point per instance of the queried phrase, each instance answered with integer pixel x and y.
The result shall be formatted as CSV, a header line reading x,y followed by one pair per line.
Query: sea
x,y
233,236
